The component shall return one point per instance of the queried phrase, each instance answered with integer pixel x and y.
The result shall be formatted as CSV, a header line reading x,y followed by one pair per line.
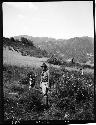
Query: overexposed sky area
x,y
62,19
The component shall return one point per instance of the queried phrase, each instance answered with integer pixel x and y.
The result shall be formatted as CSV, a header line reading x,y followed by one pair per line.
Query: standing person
x,y
44,84
31,79
81,70
73,60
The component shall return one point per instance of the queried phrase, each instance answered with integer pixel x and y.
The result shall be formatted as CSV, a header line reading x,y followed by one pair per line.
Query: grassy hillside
x,y
24,46
56,60
15,58
72,99
77,47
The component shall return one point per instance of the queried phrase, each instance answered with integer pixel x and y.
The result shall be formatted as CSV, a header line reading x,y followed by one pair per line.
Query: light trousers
x,y
44,86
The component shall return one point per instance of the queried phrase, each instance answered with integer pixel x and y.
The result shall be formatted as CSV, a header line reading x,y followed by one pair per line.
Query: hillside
x,y
24,46
12,57
71,98
81,48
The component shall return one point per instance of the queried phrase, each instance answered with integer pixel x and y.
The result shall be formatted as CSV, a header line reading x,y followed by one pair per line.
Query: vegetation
x,y
24,46
59,61
77,47
72,99
70,96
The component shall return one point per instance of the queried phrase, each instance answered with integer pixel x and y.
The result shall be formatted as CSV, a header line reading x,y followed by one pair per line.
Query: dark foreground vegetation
x,y
72,99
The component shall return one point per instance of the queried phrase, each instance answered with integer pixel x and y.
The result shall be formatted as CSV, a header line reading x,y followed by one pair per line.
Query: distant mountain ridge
x,y
77,47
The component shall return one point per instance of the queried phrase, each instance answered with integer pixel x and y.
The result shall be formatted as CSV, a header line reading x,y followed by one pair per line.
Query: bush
x,y
18,89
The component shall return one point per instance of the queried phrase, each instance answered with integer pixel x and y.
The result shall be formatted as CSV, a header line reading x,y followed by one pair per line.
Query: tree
x,y
24,40
12,39
27,42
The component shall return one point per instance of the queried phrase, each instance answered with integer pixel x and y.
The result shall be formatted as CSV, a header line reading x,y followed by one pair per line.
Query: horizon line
x,y
49,37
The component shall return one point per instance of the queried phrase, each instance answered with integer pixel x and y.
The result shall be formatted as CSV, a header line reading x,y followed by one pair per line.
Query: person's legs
x,y
46,96
43,88
47,88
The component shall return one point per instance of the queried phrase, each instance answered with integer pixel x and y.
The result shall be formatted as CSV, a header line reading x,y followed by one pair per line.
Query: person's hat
x,y
44,65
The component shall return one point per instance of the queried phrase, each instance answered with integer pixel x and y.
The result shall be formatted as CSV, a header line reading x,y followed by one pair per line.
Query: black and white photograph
x,y
48,61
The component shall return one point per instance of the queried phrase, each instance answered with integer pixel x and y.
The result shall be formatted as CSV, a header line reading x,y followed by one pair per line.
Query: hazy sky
x,y
65,19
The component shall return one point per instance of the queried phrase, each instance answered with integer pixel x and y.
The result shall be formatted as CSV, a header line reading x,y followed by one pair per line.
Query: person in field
x,y
44,84
82,71
32,78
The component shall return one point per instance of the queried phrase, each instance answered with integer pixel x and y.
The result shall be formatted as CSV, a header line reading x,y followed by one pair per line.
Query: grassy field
x,y
86,70
15,58
72,99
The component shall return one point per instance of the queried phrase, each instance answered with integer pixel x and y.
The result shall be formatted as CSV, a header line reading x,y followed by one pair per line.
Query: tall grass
x,y
72,99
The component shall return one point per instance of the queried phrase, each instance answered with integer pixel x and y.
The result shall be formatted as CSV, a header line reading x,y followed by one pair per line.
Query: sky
x,y
60,20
